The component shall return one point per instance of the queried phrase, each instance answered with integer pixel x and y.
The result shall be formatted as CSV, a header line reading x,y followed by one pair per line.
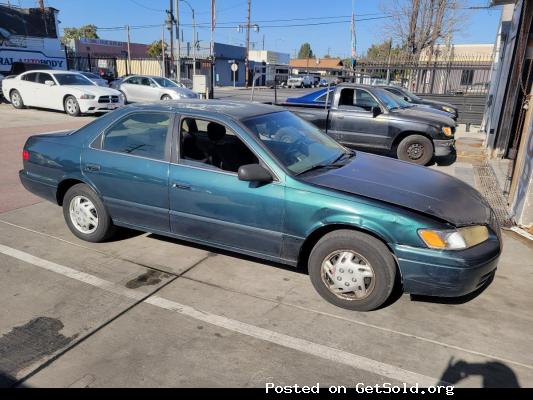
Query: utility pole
x,y
389,62
163,66
248,42
171,28
194,43
129,49
178,41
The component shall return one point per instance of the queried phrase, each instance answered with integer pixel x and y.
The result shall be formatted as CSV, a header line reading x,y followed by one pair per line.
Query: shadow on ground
x,y
493,374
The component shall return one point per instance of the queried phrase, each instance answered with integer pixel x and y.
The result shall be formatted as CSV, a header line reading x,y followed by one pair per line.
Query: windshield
x,y
73,79
90,75
166,83
297,144
391,101
412,96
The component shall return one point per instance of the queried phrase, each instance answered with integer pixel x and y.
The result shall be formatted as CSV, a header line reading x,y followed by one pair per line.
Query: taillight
x,y
25,155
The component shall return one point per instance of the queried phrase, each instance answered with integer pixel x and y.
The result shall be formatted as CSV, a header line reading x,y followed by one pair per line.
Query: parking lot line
x,y
302,345
357,322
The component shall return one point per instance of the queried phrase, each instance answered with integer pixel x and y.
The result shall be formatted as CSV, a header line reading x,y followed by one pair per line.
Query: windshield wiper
x,y
333,165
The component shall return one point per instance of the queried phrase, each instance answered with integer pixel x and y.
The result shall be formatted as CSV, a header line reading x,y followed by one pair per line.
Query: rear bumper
x,y
38,188
447,274
444,147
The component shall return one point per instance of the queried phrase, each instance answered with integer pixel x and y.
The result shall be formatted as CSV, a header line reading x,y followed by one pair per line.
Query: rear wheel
x,y
416,149
86,215
72,107
16,100
352,270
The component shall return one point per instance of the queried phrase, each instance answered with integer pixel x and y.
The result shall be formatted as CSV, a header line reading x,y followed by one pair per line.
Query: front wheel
x,y
352,270
86,215
16,100
166,97
416,149
72,107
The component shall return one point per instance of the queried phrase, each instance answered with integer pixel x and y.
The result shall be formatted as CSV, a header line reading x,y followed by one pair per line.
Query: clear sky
x,y
480,27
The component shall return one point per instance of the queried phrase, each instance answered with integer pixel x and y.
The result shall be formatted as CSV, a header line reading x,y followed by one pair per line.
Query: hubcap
x,y
71,106
15,99
83,214
348,275
415,151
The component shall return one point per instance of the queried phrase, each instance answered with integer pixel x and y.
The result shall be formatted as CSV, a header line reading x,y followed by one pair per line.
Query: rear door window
x,y
142,134
31,77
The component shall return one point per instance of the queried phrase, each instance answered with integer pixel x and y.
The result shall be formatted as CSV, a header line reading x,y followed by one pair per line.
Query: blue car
x,y
317,98
260,181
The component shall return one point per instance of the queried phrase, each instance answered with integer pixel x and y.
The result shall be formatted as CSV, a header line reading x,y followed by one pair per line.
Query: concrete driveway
x,y
146,311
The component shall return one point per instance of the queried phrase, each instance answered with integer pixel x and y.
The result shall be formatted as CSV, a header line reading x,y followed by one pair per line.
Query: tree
x,y
305,51
421,24
85,32
156,49
381,51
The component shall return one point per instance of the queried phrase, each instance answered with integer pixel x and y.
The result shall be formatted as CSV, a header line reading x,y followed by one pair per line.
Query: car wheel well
x,y
67,95
405,134
311,241
63,188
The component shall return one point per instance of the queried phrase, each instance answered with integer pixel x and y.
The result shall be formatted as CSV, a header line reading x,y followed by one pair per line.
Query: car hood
x,y
183,92
409,186
437,103
94,90
421,115
433,111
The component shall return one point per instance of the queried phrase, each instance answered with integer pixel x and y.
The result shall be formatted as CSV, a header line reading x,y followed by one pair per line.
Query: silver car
x,y
139,88
94,78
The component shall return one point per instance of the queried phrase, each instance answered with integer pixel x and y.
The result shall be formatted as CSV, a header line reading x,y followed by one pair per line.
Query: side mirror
x,y
376,111
49,83
254,173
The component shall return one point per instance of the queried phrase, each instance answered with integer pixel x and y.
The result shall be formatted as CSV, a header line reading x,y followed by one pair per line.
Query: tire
x,y
71,106
166,97
97,232
16,100
416,149
370,258
125,97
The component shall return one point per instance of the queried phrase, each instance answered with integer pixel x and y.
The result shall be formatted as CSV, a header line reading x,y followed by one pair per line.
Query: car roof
x,y
238,110
51,71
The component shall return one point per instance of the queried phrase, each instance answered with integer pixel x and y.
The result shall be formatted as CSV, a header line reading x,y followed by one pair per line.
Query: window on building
x,y
467,77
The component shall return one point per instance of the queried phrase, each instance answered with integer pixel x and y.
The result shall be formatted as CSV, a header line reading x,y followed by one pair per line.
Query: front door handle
x,y
92,168
180,186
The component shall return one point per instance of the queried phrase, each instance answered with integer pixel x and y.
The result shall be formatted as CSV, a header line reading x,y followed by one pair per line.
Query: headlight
x,y
447,131
449,110
458,239
87,97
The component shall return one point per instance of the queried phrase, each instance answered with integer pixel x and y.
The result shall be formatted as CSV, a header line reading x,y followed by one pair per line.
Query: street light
x,y
194,37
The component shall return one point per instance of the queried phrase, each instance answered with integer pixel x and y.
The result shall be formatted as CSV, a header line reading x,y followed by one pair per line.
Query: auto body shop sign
x,y
7,58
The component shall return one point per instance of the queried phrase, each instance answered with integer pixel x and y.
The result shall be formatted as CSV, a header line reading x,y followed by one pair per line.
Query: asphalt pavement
x,y
148,311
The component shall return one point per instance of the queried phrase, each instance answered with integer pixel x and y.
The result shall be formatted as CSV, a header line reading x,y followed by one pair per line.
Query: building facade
x,y
508,120
225,56
30,35
273,66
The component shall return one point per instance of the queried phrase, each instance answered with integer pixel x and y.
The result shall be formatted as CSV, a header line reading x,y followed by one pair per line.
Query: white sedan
x,y
60,90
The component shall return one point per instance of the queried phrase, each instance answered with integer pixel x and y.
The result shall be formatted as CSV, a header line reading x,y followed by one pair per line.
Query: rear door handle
x,y
92,168
180,186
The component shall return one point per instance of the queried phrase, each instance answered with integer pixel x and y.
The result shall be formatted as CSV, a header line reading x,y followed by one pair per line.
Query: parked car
x,y
1,79
414,99
60,90
320,97
300,82
94,78
370,118
139,88
260,181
